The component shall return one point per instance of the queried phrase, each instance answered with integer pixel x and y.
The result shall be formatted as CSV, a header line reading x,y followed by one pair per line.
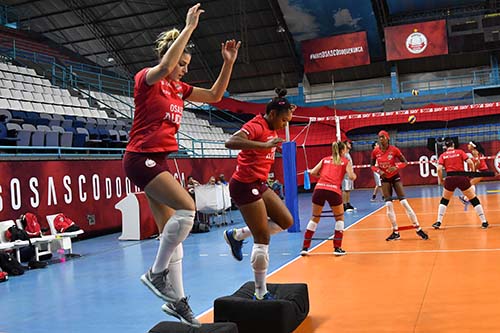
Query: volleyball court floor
x,y
448,283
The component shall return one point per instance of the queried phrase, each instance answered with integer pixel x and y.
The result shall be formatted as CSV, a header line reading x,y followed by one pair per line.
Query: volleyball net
x,y
418,133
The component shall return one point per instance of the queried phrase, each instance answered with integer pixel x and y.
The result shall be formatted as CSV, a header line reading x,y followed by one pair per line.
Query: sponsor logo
x,y
150,163
255,191
416,42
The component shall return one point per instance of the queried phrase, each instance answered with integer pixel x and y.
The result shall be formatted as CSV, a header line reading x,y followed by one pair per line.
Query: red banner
x,y
85,191
416,40
335,52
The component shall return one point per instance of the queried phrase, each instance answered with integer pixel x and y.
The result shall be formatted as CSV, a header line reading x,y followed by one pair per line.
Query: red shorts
x,y
392,180
141,168
320,196
245,193
453,182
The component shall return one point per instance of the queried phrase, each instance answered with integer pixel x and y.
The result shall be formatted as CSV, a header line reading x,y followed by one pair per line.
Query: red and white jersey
x,y
331,174
386,159
158,114
453,159
480,163
255,164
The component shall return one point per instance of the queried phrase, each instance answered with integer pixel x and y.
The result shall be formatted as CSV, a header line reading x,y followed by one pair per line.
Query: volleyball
x,y
415,92
412,119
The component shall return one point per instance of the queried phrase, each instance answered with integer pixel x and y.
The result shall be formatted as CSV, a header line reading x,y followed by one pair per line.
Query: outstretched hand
x,y
193,16
229,50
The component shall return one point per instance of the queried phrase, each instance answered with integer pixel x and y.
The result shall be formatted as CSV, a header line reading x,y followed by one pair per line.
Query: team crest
x,y
416,42
150,163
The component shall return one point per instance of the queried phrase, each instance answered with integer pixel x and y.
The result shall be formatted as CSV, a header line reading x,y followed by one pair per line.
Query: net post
x,y
289,151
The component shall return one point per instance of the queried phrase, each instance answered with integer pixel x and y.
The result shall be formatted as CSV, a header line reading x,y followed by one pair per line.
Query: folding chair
x,y
7,245
64,238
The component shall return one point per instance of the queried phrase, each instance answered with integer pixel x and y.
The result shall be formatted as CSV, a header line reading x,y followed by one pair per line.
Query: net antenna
x,y
337,119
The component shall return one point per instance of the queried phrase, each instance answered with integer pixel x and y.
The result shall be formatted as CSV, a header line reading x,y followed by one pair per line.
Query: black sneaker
x,y
304,252
436,225
485,225
422,234
182,311
393,236
339,252
348,207
34,264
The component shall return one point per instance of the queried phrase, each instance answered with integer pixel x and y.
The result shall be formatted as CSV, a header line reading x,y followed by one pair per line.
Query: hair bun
x,y
280,92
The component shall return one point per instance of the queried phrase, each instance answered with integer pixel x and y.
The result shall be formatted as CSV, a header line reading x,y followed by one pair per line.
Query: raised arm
x,y
229,51
171,58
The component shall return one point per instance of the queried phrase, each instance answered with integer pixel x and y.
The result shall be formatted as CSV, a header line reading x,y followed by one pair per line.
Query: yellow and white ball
x,y
412,119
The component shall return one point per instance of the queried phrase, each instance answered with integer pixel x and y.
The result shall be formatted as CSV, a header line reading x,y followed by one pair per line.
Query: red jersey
x,y
158,114
453,159
387,159
255,164
331,174
480,163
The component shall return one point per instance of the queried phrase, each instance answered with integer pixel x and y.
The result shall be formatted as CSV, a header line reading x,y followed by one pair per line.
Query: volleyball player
x,y
331,171
377,180
476,152
159,96
384,162
258,141
453,160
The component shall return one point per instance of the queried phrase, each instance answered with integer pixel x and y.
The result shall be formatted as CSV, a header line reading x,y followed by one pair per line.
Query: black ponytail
x,y
278,103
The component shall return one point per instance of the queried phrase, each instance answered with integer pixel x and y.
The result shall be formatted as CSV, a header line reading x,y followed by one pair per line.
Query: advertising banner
x,y
325,54
416,40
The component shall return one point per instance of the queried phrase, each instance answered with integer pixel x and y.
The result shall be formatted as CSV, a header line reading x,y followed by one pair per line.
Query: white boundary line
x,y
411,251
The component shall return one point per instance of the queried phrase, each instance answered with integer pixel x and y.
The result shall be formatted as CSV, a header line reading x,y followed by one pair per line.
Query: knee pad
x,y
177,255
260,258
474,201
339,226
311,225
444,202
179,225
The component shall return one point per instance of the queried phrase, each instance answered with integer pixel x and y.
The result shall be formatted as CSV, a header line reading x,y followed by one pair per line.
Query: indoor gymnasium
x,y
305,166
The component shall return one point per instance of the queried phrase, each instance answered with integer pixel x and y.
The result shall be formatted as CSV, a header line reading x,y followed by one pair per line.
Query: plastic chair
x,y
6,244
64,238
42,244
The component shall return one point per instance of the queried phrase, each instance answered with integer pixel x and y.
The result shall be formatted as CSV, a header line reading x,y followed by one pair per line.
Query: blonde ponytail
x,y
165,40
337,148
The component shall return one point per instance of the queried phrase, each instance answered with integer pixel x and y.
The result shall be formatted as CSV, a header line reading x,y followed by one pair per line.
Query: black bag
x,y
14,233
10,264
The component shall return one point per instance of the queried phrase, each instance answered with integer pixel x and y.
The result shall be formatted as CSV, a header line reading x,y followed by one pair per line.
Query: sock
x,y
242,233
175,271
411,214
260,263
339,234
311,228
441,211
480,212
391,215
